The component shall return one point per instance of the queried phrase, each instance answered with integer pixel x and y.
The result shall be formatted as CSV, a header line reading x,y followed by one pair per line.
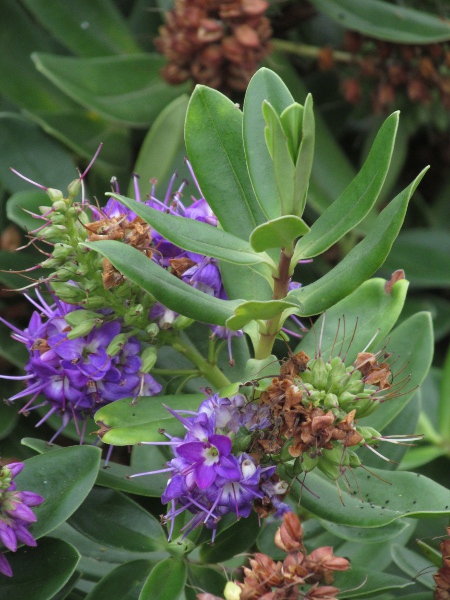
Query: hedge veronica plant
x,y
128,339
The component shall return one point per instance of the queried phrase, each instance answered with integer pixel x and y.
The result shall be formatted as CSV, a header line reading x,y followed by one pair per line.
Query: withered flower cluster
x,y
218,43
387,71
300,575
442,577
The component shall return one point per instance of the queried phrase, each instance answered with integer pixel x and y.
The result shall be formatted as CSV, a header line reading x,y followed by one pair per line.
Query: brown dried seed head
x,y
289,537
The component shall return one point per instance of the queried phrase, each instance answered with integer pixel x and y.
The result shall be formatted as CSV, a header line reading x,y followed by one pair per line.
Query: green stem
x,y
280,291
211,372
311,51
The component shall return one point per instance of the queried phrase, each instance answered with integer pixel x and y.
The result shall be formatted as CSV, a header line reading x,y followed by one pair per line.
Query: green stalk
x,y
308,51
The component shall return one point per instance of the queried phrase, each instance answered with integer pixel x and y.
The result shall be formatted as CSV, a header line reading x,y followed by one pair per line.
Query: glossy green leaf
x,y
444,400
64,478
8,414
356,200
126,88
124,582
417,457
128,424
304,160
366,535
368,311
82,131
332,171
34,155
361,262
20,82
113,519
283,164
234,540
424,254
213,135
86,28
387,496
264,85
196,236
371,582
39,573
412,342
414,565
278,233
247,311
432,554
165,287
161,145
385,21
166,581
206,579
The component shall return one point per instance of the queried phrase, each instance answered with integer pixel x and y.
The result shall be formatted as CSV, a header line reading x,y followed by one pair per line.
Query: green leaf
x,y
213,135
356,200
196,236
444,402
235,539
278,233
47,475
39,573
414,565
404,495
424,254
20,82
128,424
264,85
412,342
283,164
385,21
126,88
161,145
166,581
8,415
417,457
86,28
304,161
361,262
113,519
361,535
206,579
165,287
371,582
33,154
367,312
124,582
247,311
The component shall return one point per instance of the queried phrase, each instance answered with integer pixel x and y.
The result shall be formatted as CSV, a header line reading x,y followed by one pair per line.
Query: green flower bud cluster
x,y
333,386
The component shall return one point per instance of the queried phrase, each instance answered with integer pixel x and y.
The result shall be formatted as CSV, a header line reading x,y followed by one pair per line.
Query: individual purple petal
x,y
222,443
204,475
229,468
5,567
192,451
30,498
24,536
7,536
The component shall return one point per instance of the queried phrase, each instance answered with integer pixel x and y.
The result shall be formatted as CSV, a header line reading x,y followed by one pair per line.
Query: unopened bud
x,y
116,344
368,433
329,469
182,322
59,205
93,302
82,329
73,188
77,317
232,591
68,292
353,460
55,195
152,330
148,359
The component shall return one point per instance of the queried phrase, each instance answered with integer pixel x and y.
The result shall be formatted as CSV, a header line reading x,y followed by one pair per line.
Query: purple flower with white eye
x,y
77,376
206,476
15,514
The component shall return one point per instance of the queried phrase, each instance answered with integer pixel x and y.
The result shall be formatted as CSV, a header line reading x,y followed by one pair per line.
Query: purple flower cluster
x,y
207,475
15,514
203,271
77,376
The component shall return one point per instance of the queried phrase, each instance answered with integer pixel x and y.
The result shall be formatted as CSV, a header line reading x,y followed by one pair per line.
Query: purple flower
x,y
77,376
15,514
206,476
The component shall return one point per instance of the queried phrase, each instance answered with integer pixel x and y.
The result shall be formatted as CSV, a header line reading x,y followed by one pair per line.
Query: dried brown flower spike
x,y
218,43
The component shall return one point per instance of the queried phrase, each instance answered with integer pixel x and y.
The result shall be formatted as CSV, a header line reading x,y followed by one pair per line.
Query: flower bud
x,y
93,302
68,292
116,344
148,358
182,322
77,317
353,459
73,188
232,591
332,471
82,329
59,205
55,195
308,463
152,330
369,434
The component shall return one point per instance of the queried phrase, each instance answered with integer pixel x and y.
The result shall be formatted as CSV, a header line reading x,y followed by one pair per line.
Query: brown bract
x,y
442,577
374,373
218,43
